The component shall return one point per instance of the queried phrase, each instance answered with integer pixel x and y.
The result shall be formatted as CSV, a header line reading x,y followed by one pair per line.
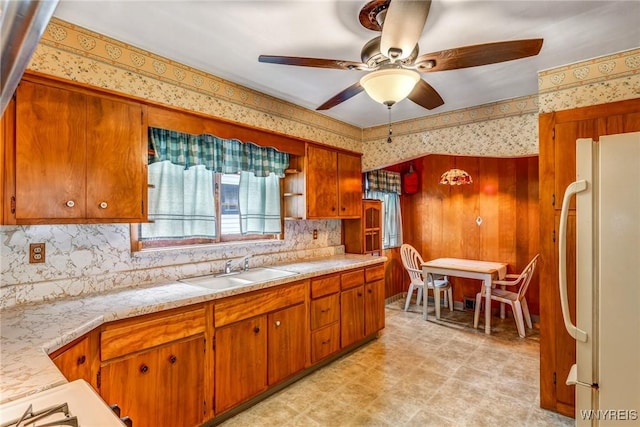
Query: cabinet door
x,y
50,152
287,343
116,171
241,362
322,183
352,315
75,362
180,396
349,185
150,386
374,307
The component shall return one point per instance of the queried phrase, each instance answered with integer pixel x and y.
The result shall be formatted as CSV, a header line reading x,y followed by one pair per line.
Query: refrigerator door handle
x,y
574,331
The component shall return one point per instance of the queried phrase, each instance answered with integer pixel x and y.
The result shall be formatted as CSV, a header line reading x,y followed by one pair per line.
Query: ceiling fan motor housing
x,y
372,56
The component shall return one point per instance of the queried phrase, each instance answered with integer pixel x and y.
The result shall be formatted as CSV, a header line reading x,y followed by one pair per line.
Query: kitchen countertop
x,y
30,332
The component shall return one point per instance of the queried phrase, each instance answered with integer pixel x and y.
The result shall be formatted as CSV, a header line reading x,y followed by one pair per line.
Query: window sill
x,y
209,247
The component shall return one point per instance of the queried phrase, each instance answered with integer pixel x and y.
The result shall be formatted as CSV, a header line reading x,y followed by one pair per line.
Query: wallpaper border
x,y
596,70
81,41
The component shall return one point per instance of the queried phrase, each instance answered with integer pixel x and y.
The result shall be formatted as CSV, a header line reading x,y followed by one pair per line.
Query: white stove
x,y
71,404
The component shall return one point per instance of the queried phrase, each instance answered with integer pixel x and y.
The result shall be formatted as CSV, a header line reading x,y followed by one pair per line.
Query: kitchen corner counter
x,y
30,332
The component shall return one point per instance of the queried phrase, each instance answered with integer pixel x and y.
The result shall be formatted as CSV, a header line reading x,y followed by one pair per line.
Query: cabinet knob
x,y
144,368
103,205
344,209
70,203
333,209
326,342
82,359
256,329
326,310
172,359
277,323
359,294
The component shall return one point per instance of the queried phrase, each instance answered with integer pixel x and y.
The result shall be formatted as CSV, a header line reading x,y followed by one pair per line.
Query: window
x,y
203,189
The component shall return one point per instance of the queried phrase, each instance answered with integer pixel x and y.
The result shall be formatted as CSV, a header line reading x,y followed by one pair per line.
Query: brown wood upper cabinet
x,y
333,183
364,235
79,156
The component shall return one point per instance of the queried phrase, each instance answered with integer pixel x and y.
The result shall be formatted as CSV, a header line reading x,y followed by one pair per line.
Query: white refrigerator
x,y
607,330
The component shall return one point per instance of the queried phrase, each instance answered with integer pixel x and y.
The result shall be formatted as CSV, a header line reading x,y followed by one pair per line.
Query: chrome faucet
x,y
246,262
227,267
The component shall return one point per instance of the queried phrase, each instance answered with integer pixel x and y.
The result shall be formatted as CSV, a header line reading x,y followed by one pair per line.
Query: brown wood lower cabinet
x,y
159,387
325,316
79,360
182,367
352,316
373,307
261,339
241,362
153,367
361,304
287,343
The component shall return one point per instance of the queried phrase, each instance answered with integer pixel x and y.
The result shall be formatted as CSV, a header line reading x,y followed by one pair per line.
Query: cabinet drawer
x,y
252,304
325,311
352,279
325,342
374,273
325,286
119,340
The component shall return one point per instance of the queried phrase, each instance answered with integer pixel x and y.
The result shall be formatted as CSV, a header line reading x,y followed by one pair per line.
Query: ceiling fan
x,y
392,59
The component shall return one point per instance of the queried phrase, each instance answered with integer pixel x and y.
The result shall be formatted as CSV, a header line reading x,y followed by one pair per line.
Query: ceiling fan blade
x,y
349,92
313,62
481,54
425,95
402,27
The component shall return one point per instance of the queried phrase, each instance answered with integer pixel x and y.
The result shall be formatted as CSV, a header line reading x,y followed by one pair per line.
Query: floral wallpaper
x,y
89,258
502,129
598,81
75,53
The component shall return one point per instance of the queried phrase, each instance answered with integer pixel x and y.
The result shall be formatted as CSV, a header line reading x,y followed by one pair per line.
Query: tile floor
x,y
419,374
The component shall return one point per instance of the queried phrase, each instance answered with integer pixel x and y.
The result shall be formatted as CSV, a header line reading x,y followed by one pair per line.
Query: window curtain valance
x,y
382,180
216,154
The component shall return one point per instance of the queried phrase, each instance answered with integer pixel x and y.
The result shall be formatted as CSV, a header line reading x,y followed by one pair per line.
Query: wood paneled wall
x,y
440,221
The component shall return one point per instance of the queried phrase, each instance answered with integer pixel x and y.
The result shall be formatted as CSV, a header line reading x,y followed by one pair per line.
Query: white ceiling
x,y
225,37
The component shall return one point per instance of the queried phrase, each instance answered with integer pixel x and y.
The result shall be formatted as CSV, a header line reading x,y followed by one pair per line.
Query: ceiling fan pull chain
x,y
390,131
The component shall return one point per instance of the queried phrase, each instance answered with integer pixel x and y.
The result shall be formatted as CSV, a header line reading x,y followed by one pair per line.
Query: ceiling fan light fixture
x,y
389,85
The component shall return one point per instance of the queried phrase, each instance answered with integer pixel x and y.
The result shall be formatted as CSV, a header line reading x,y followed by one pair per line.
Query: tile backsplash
x,y
82,259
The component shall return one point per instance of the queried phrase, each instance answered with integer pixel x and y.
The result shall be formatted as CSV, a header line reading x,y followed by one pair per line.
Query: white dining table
x,y
470,269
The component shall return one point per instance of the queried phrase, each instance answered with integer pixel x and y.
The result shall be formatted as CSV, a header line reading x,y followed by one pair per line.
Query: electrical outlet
x,y
36,253
315,234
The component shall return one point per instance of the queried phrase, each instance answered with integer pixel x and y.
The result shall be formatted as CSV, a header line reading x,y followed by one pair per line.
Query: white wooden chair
x,y
412,262
516,299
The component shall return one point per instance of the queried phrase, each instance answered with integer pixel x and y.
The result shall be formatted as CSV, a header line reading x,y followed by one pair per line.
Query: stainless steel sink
x,y
238,279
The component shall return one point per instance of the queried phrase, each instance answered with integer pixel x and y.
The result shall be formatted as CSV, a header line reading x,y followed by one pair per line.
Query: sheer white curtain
x,y
181,202
259,200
